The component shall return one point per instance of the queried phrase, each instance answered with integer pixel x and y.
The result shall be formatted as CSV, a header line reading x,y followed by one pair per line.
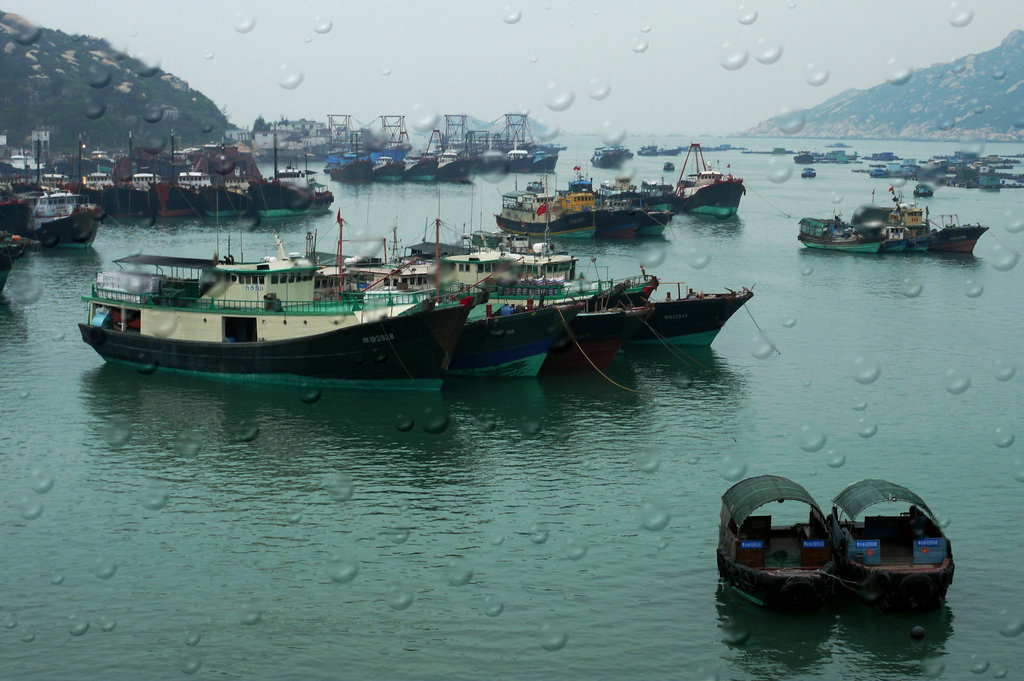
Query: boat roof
x,y
860,495
165,261
746,496
427,248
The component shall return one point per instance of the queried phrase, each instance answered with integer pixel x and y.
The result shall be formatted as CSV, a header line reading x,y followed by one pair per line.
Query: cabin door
x,y
239,329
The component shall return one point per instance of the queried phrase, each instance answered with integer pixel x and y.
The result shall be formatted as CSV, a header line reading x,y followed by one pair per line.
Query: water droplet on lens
x,y
979,667
404,423
747,16
310,395
250,614
539,533
289,77
25,33
865,370
10,622
575,549
322,26
767,53
558,97
41,479
493,606
77,626
911,288
56,579
611,134
960,16
648,460
933,667
30,508
552,639
998,73
435,420
654,517
191,662
24,289
866,429
98,76
458,572
791,121
652,253
599,90
28,637
733,467
735,634
1012,628
533,59
1005,435
760,346
396,534
789,322
154,494
815,75
385,71
244,23
837,198
511,16
779,169
973,289
811,439
107,624
209,54
1004,259
339,486
956,381
104,568
188,443
342,568
193,637
117,432
899,73
1003,369
837,461
400,597
732,57
640,45
807,270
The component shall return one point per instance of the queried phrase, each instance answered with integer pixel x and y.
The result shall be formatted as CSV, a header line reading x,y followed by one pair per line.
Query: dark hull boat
x,y
225,202
574,225
125,201
458,170
508,343
172,200
594,338
896,562
15,217
956,239
610,157
11,248
389,172
358,171
277,199
781,567
420,170
616,224
73,231
721,199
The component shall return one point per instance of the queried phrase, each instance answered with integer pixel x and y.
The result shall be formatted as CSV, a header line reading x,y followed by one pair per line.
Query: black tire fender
x,y
799,593
917,589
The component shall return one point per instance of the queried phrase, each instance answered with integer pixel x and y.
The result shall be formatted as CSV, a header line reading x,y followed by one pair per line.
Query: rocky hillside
x,y
80,85
980,95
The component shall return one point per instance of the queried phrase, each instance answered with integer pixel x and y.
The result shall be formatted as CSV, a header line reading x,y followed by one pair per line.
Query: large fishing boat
x,y
610,157
898,561
259,321
60,220
388,169
781,566
420,168
832,234
12,247
351,168
708,191
454,167
527,213
228,198
288,194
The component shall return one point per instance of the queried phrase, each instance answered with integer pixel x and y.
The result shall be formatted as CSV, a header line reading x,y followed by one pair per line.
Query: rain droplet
x,y
911,288
30,508
244,23
539,533
1004,259
322,26
28,637
117,432
458,572
10,621
760,346
998,73
559,98
654,517
533,59
191,662
107,624
423,120
1013,628
979,667
648,460
56,579
766,52
209,54
26,34
599,90
652,253
733,467
339,486
24,290
289,77
154,494
611,134
552,639
959,16
486,423
837,461
575,549
866,429
735,634
973,289
493,606
780,169
193,637
435,420
865,370
958,67
816,75
932,667
837,198
98,76
1005,435
640,45
698,260
747,16
41,479
511,16
956,381
811,439
1003,369
342,568
77,626
250,614
400,597
899,73
807,270
732,57
188,443
946,121
104,568
791,121
789,322
396,534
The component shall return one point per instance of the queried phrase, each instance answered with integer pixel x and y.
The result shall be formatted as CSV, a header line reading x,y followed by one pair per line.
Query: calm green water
x,y
233,541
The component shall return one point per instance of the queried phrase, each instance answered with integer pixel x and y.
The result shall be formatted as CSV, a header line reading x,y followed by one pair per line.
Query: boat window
x,y
234,278
273,278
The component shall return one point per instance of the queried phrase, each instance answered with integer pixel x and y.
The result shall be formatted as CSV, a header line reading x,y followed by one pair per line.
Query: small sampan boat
x,y
901,561
782,567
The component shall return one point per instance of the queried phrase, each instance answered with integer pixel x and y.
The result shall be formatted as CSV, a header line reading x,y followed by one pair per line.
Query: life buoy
x,y
917,589
798,593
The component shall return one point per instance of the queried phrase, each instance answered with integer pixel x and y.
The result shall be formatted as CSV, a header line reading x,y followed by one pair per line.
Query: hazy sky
x,y
644,67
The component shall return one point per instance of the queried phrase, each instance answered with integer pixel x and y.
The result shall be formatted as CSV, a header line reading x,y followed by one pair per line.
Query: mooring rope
x,y
585,356
777,209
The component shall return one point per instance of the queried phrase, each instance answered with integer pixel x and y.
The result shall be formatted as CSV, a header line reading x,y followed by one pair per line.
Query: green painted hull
x,y
420,178
848,248
650,230
223,213
282,213
290,379
528,367
721,212
703,339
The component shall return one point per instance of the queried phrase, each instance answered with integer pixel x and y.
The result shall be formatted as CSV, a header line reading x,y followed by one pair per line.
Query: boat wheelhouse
x,y
899,561
779,566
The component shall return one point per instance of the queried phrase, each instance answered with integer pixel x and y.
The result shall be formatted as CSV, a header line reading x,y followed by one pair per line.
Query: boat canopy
x,y
860,495
165,261
746,496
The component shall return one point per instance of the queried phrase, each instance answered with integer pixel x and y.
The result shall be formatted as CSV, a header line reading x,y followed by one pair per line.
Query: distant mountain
x,y
80,85
980,95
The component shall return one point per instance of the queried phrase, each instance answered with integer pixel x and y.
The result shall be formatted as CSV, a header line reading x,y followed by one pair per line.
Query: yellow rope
x,y
675,352
573,336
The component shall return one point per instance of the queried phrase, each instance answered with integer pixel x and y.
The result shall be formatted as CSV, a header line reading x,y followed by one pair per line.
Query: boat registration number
x,y
379,338
681,315
253,287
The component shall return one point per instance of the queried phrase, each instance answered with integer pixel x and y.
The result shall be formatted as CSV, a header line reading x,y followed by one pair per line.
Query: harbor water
x,y
158,526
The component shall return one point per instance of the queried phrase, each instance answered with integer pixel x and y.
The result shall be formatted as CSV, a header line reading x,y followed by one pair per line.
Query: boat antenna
x,y
341,276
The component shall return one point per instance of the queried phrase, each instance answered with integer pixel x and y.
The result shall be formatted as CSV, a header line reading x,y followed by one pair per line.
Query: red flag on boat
x,y
543,209
577,168
339,216
891,190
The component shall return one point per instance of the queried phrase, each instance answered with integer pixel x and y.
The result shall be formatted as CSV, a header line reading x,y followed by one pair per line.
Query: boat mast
x,y
437,260
275,151
130,173
172,155
79,182
341,225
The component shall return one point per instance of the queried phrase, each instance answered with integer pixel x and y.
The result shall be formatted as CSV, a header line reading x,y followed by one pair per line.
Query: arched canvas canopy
x,y
748,495
860,495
